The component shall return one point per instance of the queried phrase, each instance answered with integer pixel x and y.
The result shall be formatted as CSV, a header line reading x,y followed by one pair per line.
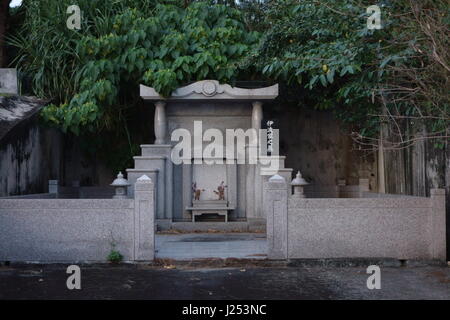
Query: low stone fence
x,y
372,226
61,230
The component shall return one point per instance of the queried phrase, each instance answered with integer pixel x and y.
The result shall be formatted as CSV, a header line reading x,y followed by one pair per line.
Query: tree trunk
x,y
4,15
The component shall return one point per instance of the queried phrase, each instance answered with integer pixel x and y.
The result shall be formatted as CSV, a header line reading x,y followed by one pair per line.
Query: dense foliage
x,y
118,47
397,75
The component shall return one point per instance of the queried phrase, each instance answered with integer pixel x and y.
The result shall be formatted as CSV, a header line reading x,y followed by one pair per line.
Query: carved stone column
x,y
276,211
144,219
257,115
160,122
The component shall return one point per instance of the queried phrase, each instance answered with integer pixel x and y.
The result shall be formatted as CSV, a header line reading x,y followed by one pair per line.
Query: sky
x,y
15,3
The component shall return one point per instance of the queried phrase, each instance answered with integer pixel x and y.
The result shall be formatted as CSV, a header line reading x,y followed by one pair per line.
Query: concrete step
x,y
149,150
149,162
231,226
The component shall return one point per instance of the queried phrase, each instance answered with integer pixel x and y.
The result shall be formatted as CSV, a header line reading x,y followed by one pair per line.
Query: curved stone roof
x,y
16,109
212,89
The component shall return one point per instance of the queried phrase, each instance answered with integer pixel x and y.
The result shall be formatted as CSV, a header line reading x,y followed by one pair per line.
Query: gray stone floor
x,y
211,245
232,281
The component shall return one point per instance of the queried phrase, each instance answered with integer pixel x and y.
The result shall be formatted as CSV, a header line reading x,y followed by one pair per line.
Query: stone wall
x,y
381,227
68,230
315,143
418,169
29,157
32,153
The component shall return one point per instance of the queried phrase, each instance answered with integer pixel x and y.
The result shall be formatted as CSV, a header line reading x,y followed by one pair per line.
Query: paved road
x,y
239,281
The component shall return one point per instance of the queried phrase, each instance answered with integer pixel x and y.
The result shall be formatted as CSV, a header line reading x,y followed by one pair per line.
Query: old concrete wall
x,y
417,169
30,155
314,143
59,230
83,169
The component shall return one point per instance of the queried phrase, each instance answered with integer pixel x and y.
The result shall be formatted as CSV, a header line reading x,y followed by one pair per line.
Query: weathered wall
x,y
314,143
417,169
81,169
30,155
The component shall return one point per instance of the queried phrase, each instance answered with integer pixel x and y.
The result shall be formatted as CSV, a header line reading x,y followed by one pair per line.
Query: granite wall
x,y
70,230
371,227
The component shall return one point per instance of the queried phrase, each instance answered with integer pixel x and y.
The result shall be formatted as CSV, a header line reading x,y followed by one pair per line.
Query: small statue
x,y
221,191
196,191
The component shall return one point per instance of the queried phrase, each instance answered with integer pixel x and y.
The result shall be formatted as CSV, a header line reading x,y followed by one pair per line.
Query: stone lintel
x,y
211,90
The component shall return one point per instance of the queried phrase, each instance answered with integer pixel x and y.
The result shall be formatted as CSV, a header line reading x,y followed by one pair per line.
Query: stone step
x,y
149,150
149,162
236,226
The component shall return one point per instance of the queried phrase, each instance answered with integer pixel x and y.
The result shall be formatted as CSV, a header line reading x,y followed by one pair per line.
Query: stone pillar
x,y
160,122
169,188
364,186
257,115
255,193
232,186
276,211
144,220
53,187
340,188
438,226
187,190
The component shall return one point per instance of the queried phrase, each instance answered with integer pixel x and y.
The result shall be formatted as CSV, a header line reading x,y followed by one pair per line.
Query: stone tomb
x,y
187,191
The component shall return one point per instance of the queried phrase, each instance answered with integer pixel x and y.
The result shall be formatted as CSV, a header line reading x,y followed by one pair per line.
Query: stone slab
x,y
8,81
203,246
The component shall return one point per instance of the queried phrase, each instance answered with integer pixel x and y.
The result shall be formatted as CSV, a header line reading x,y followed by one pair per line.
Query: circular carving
x,y
209,88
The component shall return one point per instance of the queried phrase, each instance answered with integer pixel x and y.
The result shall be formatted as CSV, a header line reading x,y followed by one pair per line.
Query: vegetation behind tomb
x,y
92,75
394,78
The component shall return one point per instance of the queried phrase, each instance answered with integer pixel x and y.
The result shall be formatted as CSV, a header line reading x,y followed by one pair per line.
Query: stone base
x,y
163,224
256,224
230,226
237,226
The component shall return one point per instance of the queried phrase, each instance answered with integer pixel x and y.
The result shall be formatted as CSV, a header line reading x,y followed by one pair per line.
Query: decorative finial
x,y
299,181
120,185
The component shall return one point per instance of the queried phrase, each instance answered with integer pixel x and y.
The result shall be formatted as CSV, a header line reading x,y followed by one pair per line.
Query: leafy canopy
x,y
164,47
396,75
324,47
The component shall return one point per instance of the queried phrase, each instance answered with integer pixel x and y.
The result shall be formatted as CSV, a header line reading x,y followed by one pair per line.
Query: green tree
x,y
163,45
396,76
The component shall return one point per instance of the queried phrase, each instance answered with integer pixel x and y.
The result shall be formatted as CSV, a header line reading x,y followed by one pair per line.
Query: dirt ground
x,y
166,280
